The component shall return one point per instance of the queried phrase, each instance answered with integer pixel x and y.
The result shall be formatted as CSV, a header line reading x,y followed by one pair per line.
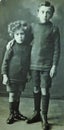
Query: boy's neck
x,y
19,43
43,22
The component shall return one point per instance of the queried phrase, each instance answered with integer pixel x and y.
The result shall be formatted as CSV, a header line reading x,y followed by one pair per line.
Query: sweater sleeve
x,y
29,35
5,63
56,55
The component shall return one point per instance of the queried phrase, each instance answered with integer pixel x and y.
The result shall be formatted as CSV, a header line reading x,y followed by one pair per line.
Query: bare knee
x,y
12,97
45,91
36,89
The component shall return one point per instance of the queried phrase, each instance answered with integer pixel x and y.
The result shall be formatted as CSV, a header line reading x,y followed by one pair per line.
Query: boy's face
x,y
44,14
19,36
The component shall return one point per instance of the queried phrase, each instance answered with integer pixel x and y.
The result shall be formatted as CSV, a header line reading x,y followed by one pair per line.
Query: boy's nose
x,y
45,15
20,35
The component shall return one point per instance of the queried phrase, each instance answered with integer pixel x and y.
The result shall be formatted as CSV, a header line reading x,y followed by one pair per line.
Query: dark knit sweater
x,y
16,61
46,46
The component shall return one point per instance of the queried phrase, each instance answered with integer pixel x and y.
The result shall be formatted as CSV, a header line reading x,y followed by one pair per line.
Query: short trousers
x,y
16,86
41,79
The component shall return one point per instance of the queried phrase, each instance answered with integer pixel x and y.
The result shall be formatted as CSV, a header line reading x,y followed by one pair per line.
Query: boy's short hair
x,y
47,4
13,26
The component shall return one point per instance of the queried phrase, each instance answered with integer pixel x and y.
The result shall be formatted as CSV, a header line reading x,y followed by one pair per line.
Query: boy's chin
x,y
43,21
19,42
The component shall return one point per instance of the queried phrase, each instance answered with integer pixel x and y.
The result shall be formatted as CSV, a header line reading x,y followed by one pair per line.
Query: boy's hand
x,y
53,71
5,79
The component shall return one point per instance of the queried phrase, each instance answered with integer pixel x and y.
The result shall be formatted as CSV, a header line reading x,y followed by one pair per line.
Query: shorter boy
x,y
15,66
45,55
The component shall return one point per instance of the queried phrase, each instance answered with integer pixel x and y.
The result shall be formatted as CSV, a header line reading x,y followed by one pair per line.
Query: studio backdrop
x,y
11,10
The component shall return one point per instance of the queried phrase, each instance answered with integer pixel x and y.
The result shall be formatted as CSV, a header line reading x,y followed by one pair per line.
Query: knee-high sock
x,y
37,101
45,105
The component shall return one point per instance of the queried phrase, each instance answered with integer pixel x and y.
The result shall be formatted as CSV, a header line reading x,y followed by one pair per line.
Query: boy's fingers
x,y
52,74
5,82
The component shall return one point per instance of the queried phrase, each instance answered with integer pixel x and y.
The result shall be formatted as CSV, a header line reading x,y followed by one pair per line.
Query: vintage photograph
x,y
31,65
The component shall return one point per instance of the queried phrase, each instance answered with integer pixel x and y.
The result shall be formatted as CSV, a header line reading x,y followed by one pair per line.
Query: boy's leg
x,y
45,106
45,85
10,119
37,97
14,101
17,113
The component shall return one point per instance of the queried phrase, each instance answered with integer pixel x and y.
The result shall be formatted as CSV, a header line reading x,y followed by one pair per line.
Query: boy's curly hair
x,y
13,26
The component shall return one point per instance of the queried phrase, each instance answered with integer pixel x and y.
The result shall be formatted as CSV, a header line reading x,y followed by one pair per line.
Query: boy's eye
x,y
21,33
48,12
42,12
17,34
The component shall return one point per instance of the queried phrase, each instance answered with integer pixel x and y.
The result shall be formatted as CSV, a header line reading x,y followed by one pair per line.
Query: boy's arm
x,y
4,68
10,44
7,57
56,48
29,34
56,55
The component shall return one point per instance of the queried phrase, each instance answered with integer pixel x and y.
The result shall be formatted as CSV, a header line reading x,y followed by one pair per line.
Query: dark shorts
x,y
41,79
19,83
16,86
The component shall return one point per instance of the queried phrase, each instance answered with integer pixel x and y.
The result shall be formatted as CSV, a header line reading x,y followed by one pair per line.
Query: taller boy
x,y
44,60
